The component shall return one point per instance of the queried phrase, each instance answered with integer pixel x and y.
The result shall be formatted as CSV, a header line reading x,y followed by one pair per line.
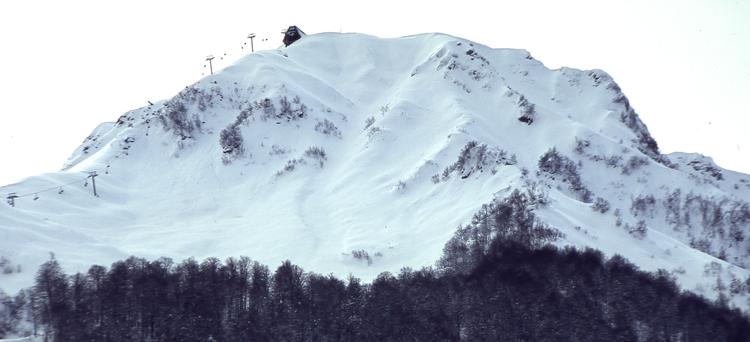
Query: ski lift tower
x,y
251,36
209,58
12,199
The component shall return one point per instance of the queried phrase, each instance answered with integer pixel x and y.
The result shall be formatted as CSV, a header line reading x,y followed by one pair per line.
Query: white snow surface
x,y
390,114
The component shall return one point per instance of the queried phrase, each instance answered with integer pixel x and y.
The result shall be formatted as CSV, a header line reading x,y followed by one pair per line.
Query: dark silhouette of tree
x,y
515,291
51,299
388,311
327,297
289,304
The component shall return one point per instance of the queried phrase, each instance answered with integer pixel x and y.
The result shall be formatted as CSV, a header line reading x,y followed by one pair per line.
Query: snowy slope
x,y
346,145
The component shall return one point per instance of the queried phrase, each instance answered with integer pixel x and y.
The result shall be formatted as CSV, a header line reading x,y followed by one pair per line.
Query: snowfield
x,y
347,153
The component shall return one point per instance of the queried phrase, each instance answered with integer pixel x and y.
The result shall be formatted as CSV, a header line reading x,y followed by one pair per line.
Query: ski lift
x,y
12,199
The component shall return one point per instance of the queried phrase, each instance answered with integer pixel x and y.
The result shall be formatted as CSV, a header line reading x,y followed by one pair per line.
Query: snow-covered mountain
x,y
348,153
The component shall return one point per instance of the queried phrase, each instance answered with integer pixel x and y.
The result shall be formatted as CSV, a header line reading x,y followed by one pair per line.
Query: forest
x,y
499,280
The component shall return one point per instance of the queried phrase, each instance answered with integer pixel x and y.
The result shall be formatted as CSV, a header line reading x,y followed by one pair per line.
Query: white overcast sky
x,y
66,66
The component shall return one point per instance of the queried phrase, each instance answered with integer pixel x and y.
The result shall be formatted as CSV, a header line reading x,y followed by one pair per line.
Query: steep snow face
x,y
347,153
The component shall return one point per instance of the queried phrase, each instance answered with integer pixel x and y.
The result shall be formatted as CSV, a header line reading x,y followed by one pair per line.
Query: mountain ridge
x,y
349,153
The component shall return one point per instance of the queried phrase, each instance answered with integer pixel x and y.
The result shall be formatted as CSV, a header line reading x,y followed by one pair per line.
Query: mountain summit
x,y
348,153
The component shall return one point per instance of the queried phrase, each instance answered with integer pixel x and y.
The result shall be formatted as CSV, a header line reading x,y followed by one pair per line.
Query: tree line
x,y
497,281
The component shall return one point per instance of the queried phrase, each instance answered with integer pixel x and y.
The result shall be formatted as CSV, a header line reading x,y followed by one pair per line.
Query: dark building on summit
x,y
292,34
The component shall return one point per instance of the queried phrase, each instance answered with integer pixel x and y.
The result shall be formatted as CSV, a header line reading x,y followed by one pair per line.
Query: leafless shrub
x,y
475,157
634,163
556,164
316,153
231,142
638,231
601,205
328,128
362,255
369,122
643,206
